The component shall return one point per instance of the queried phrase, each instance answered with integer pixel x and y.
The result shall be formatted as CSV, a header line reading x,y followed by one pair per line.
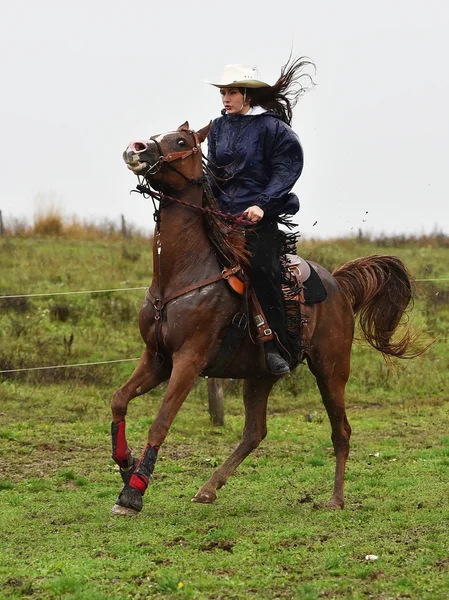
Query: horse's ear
x,y
202,133
184,127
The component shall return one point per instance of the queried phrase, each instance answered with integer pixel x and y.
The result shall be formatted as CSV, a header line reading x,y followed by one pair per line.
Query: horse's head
x,y
169,160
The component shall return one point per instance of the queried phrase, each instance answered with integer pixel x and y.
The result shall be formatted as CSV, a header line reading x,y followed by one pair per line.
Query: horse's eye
x,y
182,142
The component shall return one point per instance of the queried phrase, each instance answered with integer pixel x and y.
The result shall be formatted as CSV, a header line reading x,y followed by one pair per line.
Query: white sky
x,y
81,79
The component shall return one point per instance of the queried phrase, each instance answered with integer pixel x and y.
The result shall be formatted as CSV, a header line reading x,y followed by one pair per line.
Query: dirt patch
x,y
442,564
292,543
226,545
177,541
305,497
18,585
376,575
178,452
47,446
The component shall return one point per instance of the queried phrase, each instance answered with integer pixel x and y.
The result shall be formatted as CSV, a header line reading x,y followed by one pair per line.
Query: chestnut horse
x,y
189,307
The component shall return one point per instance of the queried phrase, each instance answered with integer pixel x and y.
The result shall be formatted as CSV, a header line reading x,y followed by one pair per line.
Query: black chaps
x,y
265,274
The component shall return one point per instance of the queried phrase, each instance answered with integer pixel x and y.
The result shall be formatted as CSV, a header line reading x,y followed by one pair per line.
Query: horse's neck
x,y
186,254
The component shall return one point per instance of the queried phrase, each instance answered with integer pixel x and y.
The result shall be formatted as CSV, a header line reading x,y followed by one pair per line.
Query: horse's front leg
x,y
184,375
255,396
145,377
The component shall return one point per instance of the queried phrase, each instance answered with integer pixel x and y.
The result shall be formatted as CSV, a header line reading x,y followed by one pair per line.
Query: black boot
x,y
274,361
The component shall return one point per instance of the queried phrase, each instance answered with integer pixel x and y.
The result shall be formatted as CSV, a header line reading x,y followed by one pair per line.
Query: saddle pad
x,y
314,290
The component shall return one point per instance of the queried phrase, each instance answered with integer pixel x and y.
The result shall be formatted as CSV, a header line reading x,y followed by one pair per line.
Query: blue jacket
x,y
261,159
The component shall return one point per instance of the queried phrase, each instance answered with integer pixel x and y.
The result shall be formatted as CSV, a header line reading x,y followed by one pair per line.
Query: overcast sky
x,y
81,79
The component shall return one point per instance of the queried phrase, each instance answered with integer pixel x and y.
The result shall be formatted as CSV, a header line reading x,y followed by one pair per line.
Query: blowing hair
x,y
282,97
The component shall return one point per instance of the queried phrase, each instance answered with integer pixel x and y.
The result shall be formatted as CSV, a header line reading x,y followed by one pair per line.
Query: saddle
x,y
302,285
302,274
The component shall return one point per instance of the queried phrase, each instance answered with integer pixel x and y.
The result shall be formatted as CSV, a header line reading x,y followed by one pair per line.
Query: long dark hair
x,y
282,97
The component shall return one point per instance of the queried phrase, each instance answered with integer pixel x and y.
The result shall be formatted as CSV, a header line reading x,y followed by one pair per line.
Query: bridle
x,y
181,155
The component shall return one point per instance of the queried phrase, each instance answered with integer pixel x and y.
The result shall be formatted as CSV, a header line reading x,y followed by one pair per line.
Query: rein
x,y
147,192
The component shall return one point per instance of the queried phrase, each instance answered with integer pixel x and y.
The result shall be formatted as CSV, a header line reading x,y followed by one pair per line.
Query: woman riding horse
x,y
256,158
189,310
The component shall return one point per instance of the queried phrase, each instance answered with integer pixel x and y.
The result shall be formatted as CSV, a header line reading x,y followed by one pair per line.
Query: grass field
x,y
269,534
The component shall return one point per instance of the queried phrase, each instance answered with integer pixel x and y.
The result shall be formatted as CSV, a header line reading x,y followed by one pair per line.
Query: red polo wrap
x,y
139,483
122,451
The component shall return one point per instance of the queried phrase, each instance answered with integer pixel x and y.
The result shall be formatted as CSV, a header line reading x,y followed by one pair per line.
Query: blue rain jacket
x,y
260,157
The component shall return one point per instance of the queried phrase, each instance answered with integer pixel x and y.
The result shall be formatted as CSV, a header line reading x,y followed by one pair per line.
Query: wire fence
x,y
111,290
48,294
131,289
88,364
72,293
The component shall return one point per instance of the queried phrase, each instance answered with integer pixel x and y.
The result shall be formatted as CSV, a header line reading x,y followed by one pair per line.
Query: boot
x,y
274,361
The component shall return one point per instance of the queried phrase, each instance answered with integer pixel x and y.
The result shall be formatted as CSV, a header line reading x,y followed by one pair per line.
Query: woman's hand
x,y
254,213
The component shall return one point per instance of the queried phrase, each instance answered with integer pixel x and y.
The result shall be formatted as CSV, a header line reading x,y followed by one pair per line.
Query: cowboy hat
x,y
239,76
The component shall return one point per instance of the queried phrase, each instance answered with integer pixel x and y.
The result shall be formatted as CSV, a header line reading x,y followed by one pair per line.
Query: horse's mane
x,y
226,234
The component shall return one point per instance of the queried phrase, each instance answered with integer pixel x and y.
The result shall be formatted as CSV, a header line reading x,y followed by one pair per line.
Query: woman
x,y
256,158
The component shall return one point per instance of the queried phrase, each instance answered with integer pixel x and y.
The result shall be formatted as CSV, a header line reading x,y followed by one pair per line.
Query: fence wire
x,y
131,289
88,364
103,362
72,293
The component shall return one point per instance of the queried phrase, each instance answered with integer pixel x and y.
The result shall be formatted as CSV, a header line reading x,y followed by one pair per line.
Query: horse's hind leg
x,y
255,396
331,374
145,377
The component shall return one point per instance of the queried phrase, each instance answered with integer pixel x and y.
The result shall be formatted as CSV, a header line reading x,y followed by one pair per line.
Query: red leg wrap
x,y
120,449
139,483
142,475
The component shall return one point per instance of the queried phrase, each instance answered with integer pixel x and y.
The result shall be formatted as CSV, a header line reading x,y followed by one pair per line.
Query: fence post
x,y
215,391
2,229
124,231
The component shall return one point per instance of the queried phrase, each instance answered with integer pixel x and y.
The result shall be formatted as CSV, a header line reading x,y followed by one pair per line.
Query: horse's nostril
x,y
138,146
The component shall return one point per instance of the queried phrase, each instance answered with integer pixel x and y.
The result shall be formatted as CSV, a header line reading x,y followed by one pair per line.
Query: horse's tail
x,y
380,291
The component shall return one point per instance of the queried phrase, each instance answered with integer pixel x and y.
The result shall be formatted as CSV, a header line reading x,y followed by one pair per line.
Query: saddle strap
x,y
159,303
264,333
225,274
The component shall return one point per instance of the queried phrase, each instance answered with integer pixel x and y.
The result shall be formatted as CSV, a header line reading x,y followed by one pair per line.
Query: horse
x,y
189,307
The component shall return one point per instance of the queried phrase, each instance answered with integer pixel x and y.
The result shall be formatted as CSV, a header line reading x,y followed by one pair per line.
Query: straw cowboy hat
x,y
239,76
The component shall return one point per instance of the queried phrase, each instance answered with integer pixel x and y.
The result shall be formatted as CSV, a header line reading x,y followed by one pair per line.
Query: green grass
x,y
269,534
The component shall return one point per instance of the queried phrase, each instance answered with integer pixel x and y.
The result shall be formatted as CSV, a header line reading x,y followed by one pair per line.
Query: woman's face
x,y
233,101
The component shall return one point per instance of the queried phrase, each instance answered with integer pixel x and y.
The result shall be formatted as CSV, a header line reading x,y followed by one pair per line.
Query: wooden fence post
x,y
215,391
2,229
124,231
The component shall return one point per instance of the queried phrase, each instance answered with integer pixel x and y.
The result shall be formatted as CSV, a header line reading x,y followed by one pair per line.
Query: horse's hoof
x,y
335,504
204,497
130,498
123,511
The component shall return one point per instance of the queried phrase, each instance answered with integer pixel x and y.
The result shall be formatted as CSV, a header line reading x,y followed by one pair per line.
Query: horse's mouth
x,y
137,166
133,158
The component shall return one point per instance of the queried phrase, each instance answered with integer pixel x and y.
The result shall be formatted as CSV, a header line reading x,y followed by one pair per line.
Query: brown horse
x,y
189,307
